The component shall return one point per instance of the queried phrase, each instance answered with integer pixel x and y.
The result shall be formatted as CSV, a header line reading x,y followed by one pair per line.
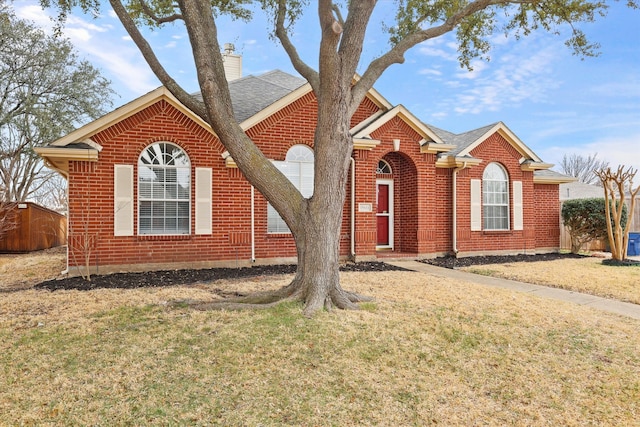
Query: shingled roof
x,y
461,140
252,94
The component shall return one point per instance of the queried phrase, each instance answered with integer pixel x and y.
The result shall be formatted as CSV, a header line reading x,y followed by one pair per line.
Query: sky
x,y
556,103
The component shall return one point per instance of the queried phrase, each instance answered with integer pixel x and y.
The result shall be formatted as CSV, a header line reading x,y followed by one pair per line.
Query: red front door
x,y
383,214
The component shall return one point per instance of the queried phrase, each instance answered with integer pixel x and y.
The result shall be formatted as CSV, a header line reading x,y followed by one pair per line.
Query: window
x,y
383,167
495,198
164,190
298,167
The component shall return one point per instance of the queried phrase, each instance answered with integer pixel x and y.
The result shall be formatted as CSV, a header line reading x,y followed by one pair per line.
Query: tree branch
x,y
185,98
155,18
281,32
396,54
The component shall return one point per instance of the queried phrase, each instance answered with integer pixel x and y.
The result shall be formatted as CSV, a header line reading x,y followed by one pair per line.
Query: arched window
x,y
164,188
495,197
383,168
298,167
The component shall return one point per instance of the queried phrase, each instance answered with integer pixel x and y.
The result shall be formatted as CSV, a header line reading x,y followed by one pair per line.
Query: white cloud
x,y
477,66
517,77
430,71
101,44
36,14
439,48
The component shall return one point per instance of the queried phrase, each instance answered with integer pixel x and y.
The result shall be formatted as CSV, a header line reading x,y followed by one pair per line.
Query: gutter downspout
x,y
455,208
353,209
253,223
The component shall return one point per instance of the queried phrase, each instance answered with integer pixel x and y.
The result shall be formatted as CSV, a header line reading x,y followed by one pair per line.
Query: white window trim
x,y
508,226
390,214
140,199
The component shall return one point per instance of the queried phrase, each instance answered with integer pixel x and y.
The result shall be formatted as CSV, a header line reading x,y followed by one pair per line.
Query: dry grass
x,y
22,271
429,351
586,275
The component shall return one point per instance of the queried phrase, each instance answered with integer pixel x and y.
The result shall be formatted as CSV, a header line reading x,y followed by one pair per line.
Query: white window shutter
x,y
123,200
518,214
203,201
476,205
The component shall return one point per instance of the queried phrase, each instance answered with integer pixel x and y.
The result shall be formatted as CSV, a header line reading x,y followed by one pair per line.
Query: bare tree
x,y
315,222
616,186
45,92
51,193
583,168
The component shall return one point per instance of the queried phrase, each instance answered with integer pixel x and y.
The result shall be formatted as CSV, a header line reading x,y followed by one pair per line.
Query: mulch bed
x,y
187,277
453,262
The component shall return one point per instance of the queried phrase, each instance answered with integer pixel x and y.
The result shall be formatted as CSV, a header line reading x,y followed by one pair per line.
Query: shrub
x,y
586,221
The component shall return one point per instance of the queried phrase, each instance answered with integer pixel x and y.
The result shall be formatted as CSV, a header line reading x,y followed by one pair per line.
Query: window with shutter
x,y
164,190
495,198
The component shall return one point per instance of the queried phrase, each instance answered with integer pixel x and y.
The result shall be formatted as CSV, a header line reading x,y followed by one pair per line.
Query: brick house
x,y
151,187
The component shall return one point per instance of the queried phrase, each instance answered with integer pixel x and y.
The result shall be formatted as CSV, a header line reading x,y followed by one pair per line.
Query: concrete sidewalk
x,y
612,306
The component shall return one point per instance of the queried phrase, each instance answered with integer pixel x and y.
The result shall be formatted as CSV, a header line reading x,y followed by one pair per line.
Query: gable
x,y
468,144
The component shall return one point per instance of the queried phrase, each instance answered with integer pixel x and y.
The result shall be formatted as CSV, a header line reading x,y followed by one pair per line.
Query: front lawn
x,y
428,351
584,274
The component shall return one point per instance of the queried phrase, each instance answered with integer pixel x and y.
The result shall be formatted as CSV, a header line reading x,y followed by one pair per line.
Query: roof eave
x,y
529,166
58,158
449,162
405,115
506,133
430,147
365,143
553,179
125,111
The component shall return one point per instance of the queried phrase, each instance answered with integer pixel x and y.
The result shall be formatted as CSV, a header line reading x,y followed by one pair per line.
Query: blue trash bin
x,y
633,248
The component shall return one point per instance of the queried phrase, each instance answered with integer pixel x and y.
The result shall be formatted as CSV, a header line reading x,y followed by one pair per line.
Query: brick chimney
x,y
232,62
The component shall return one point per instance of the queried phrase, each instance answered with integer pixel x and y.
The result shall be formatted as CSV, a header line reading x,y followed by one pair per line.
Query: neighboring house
x,y
151,187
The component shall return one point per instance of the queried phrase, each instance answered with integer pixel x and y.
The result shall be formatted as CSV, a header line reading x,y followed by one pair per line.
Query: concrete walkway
x,y
612,306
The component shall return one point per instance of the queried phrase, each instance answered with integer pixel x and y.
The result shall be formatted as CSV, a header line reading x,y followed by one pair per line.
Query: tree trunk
x,y
315,223
318,230
317,280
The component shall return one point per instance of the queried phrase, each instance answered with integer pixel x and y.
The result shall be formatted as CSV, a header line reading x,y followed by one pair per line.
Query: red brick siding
x,y
422,193
496,148
547,215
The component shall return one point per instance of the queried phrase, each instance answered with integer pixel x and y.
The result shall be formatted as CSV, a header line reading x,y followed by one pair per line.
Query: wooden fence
x,y
599,245
30,227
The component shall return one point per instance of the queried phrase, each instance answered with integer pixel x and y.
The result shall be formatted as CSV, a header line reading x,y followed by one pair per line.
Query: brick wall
x,y
535,234
422,194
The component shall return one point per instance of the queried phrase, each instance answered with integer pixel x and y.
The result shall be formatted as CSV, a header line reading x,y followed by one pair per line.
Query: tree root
x,y
338,298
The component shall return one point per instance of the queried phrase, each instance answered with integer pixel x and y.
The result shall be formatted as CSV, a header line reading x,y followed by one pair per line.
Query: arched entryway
x,y
396,204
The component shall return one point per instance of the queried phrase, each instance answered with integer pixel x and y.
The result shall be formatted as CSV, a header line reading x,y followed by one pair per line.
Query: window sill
x,y
489,232
279,235
165,237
